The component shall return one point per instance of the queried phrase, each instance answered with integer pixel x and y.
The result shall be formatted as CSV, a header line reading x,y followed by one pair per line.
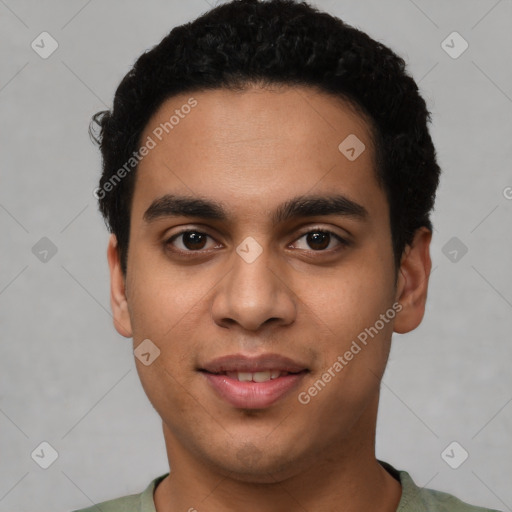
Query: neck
x,y
346,477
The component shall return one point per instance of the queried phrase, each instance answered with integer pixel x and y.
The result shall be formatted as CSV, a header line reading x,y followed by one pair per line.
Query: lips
x,y
242,363
253,382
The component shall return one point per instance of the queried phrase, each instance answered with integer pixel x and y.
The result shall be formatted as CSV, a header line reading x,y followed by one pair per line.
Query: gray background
x,y
68,378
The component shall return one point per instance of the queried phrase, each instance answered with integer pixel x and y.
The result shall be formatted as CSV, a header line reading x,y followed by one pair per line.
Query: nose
x,y
253,295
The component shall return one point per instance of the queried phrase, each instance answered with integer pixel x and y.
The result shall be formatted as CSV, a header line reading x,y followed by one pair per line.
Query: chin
x,y
254,464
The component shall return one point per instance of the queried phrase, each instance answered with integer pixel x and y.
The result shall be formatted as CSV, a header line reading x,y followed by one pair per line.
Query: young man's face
x,y
262,283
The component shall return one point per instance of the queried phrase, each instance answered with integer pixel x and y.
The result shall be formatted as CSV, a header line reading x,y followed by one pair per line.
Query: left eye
x,y
319,239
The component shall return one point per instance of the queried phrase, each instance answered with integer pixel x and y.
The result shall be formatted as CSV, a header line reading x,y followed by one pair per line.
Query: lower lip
x,y
253,395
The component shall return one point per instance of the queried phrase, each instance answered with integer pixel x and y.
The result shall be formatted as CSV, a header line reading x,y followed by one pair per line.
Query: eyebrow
x,y
172,205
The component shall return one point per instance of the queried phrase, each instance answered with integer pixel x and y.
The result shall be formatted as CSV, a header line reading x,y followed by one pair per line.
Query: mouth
x,y
253,383
261,376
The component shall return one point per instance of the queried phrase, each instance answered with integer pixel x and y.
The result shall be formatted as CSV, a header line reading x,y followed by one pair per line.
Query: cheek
x,y
349,300
348,310
165,299
168,391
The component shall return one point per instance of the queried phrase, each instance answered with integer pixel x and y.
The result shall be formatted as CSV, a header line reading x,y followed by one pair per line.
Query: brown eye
x,y
319,240
190,241
193,240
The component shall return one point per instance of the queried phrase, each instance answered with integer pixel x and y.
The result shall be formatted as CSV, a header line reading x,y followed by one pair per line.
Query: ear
x,y
412,284
118,301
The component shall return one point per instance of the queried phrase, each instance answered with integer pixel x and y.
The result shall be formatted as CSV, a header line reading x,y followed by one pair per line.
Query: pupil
x,y
315,238
192,240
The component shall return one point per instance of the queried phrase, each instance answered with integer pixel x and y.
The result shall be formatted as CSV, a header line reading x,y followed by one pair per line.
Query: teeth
x,y
261,376
256,376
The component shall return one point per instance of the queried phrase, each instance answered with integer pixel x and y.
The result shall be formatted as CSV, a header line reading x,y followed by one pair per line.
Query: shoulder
x,y
420,499
432,500
140,502
130,503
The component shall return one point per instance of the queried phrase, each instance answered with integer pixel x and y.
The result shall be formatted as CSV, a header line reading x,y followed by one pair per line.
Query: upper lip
x,y
243,363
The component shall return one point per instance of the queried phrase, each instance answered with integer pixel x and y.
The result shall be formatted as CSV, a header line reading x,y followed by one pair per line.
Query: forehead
x,y
252,148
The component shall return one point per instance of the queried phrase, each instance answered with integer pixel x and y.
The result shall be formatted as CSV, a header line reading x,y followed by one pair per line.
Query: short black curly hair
x,y
281,42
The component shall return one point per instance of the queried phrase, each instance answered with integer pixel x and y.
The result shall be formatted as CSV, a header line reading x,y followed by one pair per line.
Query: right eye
x,y
191,241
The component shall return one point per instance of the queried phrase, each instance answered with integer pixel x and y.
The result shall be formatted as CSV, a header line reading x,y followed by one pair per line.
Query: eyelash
x,y
191,253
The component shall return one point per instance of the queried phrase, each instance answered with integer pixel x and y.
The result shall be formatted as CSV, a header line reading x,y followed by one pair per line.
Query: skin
x,y
253,150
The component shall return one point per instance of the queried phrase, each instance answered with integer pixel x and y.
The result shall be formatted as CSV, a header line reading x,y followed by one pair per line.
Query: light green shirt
x,y
414,499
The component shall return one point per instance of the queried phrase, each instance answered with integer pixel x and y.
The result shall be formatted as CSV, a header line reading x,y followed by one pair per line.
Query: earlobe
x,y
118,301
412,283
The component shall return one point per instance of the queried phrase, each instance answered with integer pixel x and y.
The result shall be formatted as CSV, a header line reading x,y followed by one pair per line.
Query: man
x,y
268,178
